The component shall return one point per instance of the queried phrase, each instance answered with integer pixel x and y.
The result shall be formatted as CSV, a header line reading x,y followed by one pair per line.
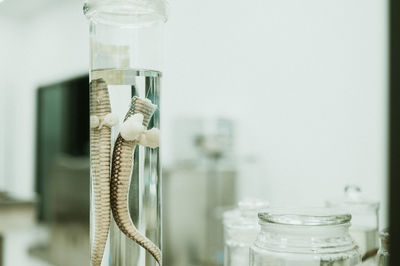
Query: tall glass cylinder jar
x,y
126,50
240,230
304,238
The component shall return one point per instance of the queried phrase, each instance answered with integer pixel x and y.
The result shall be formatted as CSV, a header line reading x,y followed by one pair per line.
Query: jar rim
x,y
127,13
305,217
251,206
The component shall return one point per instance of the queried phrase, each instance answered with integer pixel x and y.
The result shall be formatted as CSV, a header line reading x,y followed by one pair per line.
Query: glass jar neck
x,y
305,238
384,242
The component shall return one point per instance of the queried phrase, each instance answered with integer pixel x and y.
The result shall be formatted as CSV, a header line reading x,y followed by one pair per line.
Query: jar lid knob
x,y
353,193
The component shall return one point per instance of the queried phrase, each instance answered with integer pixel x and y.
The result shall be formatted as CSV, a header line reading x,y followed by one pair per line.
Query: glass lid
x,y
354,201
305,217
251,206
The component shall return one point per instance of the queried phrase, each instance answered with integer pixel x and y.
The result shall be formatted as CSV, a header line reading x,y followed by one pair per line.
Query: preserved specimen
x,y
126,48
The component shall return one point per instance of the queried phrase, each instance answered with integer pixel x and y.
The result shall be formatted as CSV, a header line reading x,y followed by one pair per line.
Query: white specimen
x,y
150,138
94,121
132,127
109,120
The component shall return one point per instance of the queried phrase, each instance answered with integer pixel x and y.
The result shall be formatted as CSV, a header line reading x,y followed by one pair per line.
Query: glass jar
x,y
365,217
383,252
304,238
240,230
126,48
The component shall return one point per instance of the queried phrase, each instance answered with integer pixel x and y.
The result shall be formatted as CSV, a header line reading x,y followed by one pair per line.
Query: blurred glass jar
x,y
383,252
240,230
304,238
365,217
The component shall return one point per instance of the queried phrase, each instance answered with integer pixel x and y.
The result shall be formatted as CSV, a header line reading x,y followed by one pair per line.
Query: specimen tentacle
x,y
122,165
100,150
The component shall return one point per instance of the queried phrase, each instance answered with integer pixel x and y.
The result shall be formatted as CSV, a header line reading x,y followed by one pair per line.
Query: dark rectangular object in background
x,y
62,130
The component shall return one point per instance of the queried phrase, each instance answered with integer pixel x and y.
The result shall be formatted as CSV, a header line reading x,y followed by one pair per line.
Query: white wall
x,y
44,49
306,81
6,32
10,46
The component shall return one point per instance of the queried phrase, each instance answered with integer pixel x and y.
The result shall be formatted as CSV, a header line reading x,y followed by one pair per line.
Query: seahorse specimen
x,y
100,150
122,164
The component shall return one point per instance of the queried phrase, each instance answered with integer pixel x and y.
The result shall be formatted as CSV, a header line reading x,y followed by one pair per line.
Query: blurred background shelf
x,y
16,213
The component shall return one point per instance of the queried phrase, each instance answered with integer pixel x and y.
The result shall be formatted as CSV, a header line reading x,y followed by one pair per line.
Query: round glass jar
x,y
240,230
304,238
